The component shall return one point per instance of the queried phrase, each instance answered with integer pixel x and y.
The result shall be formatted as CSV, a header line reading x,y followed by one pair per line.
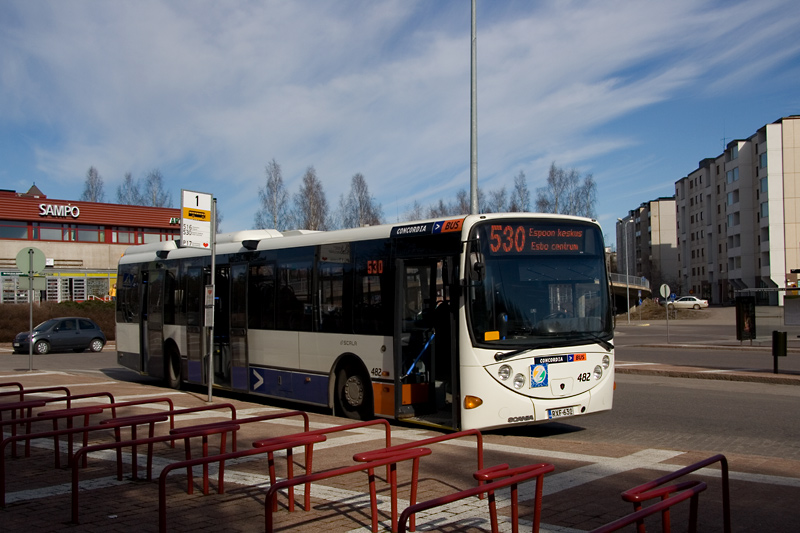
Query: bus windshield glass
x,y
538,283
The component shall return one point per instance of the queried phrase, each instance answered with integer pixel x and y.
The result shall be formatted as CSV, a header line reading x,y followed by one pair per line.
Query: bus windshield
x,y
538,283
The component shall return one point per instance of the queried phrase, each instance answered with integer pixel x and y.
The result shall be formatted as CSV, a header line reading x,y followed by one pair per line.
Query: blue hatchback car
x,y
61,334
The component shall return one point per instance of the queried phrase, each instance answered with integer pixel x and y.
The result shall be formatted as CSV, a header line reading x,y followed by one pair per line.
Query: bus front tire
x,y
353,395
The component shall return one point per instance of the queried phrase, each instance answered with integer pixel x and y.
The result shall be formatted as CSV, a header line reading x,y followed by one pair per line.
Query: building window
x,y
762,160
734,152
157,235
13,229
764,185
45,231
765,209
90,234
123,235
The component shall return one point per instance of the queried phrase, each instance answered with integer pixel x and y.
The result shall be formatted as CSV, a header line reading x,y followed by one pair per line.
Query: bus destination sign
x,y
531,238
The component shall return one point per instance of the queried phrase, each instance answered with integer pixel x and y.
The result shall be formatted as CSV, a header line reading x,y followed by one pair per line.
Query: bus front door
x,y
423,342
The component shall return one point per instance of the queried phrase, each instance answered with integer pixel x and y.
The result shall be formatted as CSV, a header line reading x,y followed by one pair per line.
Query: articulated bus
x,y
481,321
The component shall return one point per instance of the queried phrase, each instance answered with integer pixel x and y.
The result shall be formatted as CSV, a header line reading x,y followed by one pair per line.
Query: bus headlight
x,y
598,372
519,381
504,372
606,361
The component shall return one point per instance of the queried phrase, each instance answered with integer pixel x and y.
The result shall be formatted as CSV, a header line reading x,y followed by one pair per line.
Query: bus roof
x,y
266,239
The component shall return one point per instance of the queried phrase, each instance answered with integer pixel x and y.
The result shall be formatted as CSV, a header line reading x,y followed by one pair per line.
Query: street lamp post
x,y
627,280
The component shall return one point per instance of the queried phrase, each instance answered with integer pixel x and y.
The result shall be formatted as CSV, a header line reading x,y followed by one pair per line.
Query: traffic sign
x,y
195,219
37,283
664,290
31,260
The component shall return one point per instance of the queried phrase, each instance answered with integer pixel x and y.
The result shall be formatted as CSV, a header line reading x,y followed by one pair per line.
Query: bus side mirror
x,y
477,267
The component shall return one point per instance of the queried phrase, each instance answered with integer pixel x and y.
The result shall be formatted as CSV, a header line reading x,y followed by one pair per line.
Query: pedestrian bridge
x,y
623,287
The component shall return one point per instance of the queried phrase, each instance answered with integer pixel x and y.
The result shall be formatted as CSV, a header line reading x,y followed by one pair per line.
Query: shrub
x,y
16,317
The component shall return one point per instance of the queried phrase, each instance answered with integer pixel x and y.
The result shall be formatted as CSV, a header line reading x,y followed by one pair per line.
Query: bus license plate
x,y
558,413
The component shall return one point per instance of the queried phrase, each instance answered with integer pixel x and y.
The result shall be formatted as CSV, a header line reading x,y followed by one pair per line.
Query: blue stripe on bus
x,y
195,370
311,388
239,378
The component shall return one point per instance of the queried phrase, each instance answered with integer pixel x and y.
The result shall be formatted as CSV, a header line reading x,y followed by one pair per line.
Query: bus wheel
x,y
353,395
173,370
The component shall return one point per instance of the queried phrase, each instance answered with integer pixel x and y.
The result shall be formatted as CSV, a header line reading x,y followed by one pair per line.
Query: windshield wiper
x,y
508,355
583,335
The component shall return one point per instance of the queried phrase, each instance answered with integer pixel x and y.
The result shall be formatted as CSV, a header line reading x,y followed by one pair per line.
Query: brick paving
x,y
581,494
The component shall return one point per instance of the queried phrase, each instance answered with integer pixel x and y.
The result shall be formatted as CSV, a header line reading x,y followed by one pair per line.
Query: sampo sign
x,y
62,211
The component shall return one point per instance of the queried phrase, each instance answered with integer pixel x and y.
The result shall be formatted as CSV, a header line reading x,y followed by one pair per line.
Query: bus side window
x,y
261,296
371,307
294,306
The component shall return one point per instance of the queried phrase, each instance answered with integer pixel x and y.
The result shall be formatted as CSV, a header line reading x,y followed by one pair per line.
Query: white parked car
x,y
688,302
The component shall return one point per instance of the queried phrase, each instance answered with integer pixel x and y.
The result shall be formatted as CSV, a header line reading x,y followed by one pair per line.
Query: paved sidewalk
x,y
582,493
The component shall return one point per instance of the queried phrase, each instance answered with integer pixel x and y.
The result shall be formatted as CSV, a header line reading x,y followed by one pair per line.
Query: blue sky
x,y
208,92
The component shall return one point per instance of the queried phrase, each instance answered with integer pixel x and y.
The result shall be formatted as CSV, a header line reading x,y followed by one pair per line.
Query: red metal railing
x,y
390,460
671,495
325,431
685,491
279,443
16,384
133,443
366,456
23,391
494,478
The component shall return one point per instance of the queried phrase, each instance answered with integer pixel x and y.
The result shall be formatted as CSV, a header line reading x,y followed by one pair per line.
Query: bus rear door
x,y
230,327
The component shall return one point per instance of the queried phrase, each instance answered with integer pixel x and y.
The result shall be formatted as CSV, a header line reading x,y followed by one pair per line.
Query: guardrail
x,y
622,279
671,495
492,480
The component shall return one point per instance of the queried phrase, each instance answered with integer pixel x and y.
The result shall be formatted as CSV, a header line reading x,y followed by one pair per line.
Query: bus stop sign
x,y
31,260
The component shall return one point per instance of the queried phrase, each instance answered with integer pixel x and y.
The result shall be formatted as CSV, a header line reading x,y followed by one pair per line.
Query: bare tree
x,y
521,197
358,208
311,207
416,212
128,192
153,193
496,203
462,204
566,194
274,199
93,187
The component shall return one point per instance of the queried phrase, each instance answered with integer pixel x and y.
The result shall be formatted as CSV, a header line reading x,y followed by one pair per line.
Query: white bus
x,y
480,321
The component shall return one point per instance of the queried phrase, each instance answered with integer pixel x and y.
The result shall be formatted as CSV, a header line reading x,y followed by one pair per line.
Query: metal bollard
x,y
779,341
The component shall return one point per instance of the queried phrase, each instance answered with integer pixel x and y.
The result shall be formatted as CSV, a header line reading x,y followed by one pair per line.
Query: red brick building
x,y
82,241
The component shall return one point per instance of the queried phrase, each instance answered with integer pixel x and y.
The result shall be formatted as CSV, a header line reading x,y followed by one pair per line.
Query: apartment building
x,y
737,217
646,242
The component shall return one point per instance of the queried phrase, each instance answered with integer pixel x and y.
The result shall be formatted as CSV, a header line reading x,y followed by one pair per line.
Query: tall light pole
x,y
627,280
473,106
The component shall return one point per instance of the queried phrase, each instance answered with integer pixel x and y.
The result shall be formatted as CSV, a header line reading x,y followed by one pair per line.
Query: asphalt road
x,y
657,424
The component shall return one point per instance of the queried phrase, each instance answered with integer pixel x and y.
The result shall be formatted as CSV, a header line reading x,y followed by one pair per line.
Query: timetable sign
x,y
195,219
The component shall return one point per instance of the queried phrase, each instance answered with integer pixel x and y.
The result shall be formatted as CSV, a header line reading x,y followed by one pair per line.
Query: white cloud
x,y
210,92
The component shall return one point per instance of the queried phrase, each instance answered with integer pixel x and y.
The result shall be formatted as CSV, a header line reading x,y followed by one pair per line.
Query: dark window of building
x,y
13,229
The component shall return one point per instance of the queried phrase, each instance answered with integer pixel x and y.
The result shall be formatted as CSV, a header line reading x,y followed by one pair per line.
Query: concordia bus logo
x,y
539,375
